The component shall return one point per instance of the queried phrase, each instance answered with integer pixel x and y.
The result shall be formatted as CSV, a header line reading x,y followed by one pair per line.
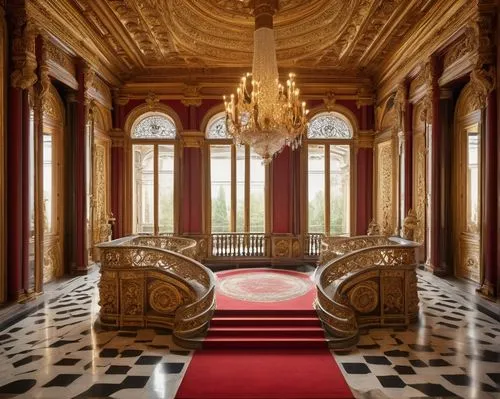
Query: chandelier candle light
x,y
264,114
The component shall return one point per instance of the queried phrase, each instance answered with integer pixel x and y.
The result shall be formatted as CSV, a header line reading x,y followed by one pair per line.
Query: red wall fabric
x,y
281,192
191,185
364,190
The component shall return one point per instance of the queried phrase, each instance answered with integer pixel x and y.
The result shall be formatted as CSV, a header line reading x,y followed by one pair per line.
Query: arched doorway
x,y
53,206
468,187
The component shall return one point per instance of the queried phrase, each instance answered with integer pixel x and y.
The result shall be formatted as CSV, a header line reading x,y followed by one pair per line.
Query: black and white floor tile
x,y
58,352
453,351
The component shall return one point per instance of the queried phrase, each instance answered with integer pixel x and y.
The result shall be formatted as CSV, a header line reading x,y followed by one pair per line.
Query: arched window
x,y
237,183
329,139
153,150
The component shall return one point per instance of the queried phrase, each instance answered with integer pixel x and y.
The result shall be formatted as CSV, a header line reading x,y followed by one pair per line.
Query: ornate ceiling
x,y
144,40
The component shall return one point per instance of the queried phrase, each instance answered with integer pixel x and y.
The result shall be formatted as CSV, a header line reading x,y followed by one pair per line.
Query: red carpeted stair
x,y
264,350
253,329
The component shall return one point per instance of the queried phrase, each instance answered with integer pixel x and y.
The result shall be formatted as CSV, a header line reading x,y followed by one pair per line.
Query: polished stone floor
x,y
58,352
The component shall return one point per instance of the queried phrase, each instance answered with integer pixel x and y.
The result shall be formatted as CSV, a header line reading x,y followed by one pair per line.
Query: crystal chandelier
x,y
264,114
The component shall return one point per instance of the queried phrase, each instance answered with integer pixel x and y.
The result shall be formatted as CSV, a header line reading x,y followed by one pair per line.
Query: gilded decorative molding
x,y
23,55
482,83
385,186
330,100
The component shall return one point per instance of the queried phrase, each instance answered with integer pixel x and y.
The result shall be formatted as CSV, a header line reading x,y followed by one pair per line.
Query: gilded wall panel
x,y
385,186
419,173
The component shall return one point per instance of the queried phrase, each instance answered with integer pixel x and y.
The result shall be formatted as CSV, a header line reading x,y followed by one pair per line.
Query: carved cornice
x,y
432,33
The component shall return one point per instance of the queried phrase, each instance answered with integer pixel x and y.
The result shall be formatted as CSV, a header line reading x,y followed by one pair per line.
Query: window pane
x,y
473,177
339,189
257,193
166,188
220,179
240,188
155,127
328,126
316,188
216,128
143,178
47,183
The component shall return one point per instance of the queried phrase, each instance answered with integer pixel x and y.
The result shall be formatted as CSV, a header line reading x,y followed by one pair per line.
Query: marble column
x,y
490,200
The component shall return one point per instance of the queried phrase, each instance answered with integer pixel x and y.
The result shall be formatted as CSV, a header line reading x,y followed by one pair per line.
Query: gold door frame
x,y
53,242
468,244
3,221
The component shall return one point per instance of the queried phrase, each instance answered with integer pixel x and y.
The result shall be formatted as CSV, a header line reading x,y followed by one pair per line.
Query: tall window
x,y
153,150
237,183
329,140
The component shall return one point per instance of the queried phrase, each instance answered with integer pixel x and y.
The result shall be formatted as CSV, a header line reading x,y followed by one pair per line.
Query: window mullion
x,y
155,189
247,190
233,188
327,189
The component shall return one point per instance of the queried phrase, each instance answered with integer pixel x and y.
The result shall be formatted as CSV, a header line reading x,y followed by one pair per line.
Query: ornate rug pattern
x,y
264,286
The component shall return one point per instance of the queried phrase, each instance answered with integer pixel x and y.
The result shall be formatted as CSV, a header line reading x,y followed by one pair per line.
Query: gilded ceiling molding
x,y
151,104
444,21
23,55
59,19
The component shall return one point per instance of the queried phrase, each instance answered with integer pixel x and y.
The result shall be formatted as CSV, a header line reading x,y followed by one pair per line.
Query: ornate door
x,y
53,189
419,177
467,168
101,230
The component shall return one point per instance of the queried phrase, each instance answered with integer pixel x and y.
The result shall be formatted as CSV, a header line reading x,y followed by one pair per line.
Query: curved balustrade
x,y
372,286
333,247
145,283
239,244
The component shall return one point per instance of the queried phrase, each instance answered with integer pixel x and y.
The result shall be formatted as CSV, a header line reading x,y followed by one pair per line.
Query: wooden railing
x,y
239,245
147,281
312,244
372,286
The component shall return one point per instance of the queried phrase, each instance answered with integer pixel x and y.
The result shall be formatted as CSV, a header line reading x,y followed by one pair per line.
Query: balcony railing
x,y
312,244
239,244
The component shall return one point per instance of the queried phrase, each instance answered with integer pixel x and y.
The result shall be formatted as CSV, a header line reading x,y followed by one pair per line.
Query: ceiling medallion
x,y
264,114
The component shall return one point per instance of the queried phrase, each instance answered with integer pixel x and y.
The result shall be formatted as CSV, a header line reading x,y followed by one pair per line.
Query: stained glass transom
x,y
329,126
155,127
217,129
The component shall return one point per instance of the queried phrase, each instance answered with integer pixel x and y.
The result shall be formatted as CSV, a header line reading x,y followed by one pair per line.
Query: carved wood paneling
x,y
3,121
385,168
419,174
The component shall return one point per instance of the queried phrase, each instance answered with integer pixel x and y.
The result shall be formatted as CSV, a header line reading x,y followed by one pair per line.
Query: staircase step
x,y
266,343
265,313
265,321
267,332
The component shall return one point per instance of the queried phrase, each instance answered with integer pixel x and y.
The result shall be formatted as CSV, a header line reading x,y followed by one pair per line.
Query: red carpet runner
x,y
256,350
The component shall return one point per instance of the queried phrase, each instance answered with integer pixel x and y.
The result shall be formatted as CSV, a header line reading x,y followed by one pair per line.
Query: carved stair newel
x,y
483,85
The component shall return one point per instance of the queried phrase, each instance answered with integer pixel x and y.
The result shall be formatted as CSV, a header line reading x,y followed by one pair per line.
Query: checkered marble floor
x,y
58,352
453,351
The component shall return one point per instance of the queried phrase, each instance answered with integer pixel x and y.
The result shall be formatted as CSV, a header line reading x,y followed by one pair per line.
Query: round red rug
x,y
266,288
